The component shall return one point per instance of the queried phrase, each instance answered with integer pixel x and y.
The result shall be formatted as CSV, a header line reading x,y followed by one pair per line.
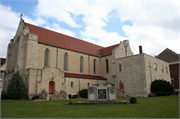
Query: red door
x,y
121,87
50,87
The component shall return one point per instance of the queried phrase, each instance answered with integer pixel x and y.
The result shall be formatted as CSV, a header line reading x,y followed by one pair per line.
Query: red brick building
x,y
173,59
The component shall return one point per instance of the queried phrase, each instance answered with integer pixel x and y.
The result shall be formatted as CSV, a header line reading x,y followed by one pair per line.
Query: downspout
x,y
89,64
36,81
56,57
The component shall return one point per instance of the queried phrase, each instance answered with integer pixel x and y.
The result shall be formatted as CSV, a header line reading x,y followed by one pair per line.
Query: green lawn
x,y
149,107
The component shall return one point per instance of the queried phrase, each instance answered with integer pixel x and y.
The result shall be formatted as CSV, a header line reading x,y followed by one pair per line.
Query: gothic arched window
x,y
81,64
107,66
120,67
46,57
94,66
65,61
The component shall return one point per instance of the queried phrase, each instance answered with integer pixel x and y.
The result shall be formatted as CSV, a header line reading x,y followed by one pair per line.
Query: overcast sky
x,y
150,23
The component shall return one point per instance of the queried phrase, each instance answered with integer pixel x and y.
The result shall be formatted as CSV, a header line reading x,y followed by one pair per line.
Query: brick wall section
x,y
174,69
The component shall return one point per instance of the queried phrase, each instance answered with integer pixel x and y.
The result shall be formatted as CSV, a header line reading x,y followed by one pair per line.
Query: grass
x,y
149,107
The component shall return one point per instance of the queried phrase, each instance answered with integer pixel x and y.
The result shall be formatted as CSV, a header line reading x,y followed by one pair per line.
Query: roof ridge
x,y
167,50
63,34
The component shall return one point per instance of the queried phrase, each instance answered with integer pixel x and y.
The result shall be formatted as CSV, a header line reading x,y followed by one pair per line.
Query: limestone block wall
x,y
122,50
21,60
41,53
132,75
73,60
156,74
32,54
103,68
38,79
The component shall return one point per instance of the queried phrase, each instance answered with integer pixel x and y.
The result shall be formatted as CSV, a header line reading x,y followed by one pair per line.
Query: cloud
x,y
57,28
153,22
8,26
61,11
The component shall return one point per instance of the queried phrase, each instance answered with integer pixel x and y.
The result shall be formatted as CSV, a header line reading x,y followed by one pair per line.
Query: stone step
x,y
55,97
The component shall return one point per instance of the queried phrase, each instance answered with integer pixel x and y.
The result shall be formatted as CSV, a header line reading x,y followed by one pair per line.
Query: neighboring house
x,y
54,63
173,59
2,69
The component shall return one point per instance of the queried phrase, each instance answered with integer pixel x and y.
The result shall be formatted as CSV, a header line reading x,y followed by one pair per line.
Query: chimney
x,y
140,49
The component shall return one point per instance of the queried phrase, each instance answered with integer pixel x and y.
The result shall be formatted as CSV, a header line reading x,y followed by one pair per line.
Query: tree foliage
x,y
16,88
162,88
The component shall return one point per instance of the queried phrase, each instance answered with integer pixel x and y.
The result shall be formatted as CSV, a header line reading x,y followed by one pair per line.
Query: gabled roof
x,y
83,76
168,56
107,51
52,38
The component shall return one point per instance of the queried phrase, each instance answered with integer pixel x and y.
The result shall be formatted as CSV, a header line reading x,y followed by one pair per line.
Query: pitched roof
x,y
107,51
168,56
3,61
83,76
49,37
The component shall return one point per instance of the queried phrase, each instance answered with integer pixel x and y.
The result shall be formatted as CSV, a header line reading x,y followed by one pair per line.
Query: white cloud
x,y
8,26
153,22
56,9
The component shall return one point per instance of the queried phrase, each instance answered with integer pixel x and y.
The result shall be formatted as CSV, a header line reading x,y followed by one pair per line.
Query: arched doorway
x,y
121,87
51,87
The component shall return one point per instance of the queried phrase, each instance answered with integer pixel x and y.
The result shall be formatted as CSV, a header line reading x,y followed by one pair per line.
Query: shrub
x,y
83,93
162,88
16,87
75,96
176,93
69,96
33,98
4,96
151,95
132,100
37,97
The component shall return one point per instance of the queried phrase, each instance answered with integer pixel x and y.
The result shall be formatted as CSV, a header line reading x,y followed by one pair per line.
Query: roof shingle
x,y
107,51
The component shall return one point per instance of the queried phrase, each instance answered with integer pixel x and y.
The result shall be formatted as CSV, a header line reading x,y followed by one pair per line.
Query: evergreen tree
x,y
162,88
16,88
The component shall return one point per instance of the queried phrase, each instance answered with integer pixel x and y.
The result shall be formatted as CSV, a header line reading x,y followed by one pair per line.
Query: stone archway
x,y
51,87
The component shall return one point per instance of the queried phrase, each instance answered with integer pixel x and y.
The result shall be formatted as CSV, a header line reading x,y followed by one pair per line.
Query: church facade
x,y
57,64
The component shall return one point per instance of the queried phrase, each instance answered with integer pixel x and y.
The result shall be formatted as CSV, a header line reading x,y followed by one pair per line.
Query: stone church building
x,y
57,64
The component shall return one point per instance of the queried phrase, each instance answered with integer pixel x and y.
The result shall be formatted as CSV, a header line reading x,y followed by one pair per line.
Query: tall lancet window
x,y
81,64
94,66
46,57
107,66
65,62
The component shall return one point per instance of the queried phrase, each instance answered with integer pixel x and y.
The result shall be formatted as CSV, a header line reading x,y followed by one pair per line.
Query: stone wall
x,y
103,68
156,74
136,73
132,75
38,79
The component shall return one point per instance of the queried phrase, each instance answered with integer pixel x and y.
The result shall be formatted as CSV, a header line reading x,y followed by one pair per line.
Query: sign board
x,y
102,94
